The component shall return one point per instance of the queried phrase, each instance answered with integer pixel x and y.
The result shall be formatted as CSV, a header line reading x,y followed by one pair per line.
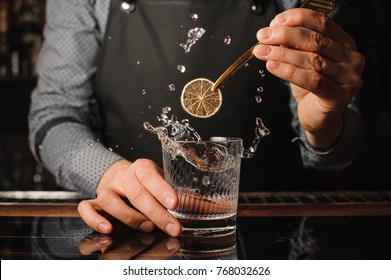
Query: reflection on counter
x,y
255,238
70,238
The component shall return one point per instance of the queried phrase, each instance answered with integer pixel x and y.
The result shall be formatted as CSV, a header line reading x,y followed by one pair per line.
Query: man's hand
x,y
322,64
135,194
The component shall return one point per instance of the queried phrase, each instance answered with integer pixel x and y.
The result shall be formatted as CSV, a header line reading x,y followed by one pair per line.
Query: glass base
x,y
201,226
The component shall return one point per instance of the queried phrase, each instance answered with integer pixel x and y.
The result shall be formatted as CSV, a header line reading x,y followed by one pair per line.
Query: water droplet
x,y
138,62
109,38
89,143
144,92
206,181
97,140
260,89
110,149
194,16
37,178
117,146
258,99
127,7
181,68
171,87
149,107
227,40
246,65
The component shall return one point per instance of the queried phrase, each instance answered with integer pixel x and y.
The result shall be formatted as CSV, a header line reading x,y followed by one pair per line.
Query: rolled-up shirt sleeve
x,y
62,104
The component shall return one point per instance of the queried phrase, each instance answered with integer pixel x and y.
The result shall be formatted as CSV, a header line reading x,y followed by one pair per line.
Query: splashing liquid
x,y
178,137
192,37
260,131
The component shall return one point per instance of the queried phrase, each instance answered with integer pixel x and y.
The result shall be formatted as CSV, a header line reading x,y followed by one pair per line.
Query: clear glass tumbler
x,y
205,175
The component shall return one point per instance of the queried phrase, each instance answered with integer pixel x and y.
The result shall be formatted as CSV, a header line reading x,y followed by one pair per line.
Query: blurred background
x,y
21,24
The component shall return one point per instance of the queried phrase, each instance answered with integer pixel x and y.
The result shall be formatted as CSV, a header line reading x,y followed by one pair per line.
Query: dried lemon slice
x,y
199,100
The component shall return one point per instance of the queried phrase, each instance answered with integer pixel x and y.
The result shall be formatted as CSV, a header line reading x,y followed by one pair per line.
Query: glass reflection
x,y
70,238
255,239
217,247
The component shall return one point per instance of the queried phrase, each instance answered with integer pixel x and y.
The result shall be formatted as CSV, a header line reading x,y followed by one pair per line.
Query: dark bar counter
x,y
270,226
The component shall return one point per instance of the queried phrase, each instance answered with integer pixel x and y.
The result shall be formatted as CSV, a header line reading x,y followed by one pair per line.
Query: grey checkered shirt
x,y
61,103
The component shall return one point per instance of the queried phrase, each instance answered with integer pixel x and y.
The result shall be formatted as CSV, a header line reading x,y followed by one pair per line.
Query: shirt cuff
x,y
76,157
344,151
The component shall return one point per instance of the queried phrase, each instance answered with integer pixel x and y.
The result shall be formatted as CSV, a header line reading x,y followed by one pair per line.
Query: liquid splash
x,y
260,131
179,138
176,130
192,37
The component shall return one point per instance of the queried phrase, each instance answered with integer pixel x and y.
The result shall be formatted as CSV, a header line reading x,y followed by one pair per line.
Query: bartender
x,y
108,66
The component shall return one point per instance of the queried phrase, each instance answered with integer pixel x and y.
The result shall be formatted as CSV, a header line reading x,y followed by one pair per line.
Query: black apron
x,y
139,69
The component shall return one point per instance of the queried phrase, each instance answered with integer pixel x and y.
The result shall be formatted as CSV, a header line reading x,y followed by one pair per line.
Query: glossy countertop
x,y
273,238
269,227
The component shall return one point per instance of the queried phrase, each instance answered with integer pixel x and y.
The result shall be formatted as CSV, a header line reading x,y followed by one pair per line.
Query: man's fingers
x,y
150,193
88,211
112,204
151,208
302,39
149,175
141,184
316,21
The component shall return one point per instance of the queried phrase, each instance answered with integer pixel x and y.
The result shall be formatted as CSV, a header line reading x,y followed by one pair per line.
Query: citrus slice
x,y
199,100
